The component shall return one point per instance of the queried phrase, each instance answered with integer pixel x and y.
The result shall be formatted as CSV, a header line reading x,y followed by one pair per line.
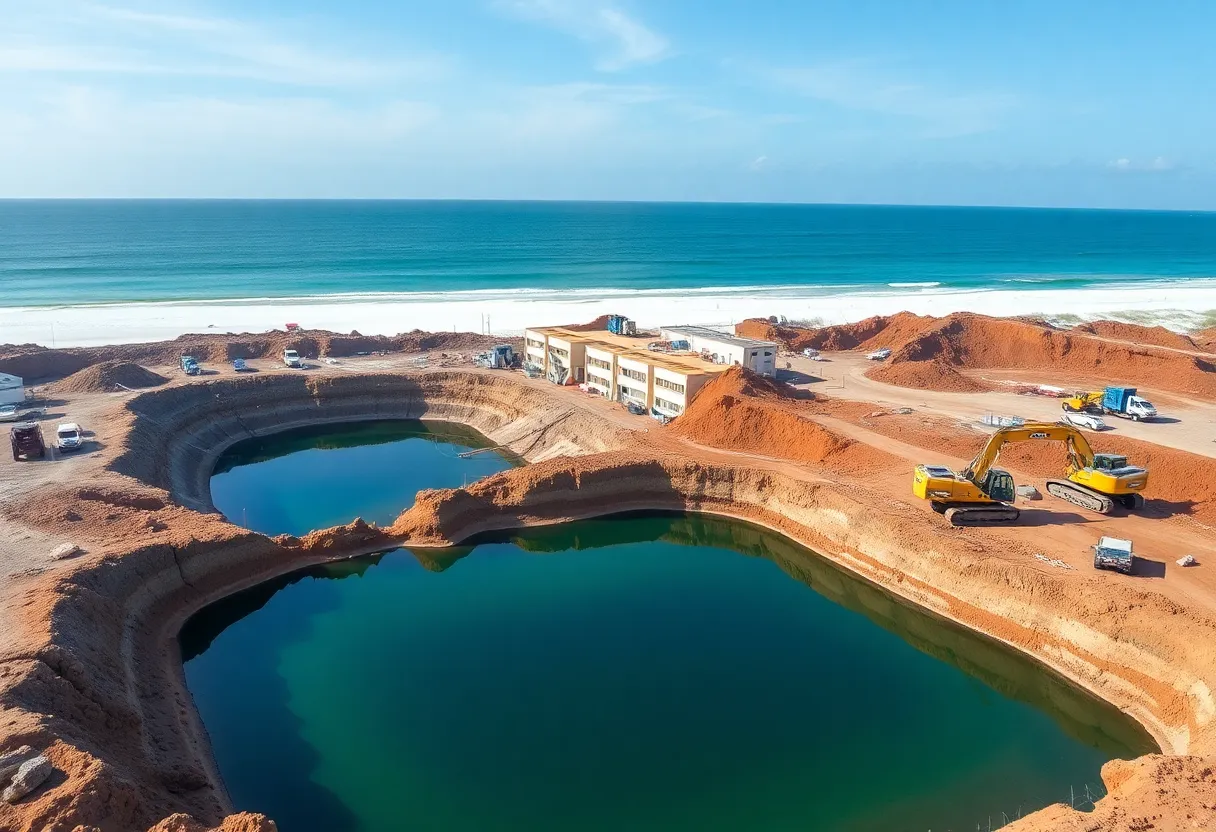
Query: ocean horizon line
x,y
582,201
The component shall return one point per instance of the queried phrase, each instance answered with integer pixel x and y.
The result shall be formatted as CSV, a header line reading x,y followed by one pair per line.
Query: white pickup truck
x,y
292,359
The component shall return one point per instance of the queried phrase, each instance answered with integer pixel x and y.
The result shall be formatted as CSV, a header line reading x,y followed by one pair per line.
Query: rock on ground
x,y
30,775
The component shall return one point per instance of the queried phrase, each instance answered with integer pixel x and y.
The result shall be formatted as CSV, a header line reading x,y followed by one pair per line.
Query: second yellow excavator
x,y
983,494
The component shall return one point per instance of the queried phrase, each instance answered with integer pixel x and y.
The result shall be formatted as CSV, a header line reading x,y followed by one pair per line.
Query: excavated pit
x,y
101,682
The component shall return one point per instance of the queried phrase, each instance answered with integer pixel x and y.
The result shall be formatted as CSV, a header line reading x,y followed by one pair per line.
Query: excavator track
x,y
1081,496
983,514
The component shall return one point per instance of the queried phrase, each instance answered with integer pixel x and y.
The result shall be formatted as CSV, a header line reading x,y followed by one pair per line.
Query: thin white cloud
x,y
857,86
1159,164
758,163
81,38
626,40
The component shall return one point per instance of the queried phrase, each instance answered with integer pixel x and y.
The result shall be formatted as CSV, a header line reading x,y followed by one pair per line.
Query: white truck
x,y
292,359
69,437
879,355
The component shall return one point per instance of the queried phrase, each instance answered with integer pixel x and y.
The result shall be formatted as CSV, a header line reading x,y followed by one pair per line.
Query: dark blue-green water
x,y
630,673
314,478
108,251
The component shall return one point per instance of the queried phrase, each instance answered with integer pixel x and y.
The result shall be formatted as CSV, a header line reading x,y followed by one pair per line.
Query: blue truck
x,y
1123,401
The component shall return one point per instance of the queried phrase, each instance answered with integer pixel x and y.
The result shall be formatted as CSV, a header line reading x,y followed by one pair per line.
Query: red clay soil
x,y
981,342
34,363
745,412
597,325
109,375
927,375
1152,335
872,333
1205,338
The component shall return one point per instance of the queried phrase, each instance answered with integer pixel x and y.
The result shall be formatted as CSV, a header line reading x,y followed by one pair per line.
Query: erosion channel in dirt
x,y
497,686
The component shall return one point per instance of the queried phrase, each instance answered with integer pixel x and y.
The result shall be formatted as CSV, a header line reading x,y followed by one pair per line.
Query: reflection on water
x,y
627,673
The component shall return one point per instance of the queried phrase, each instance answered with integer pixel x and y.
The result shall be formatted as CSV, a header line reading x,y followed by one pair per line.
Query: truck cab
x,y
190,365
291,358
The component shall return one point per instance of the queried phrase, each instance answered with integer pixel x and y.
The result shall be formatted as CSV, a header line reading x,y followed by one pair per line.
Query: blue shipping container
x,y
1116,398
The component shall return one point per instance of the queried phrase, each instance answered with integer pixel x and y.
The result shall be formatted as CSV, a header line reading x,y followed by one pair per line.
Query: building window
x,y
595,362
670,385
630,393
633,374
532,342
601,381
768,354
663,404
558,351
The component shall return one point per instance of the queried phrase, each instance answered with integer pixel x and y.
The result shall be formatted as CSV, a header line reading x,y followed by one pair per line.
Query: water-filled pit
x,y
634,672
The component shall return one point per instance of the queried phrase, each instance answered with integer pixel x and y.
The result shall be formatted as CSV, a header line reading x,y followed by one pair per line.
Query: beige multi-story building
x,y
622,368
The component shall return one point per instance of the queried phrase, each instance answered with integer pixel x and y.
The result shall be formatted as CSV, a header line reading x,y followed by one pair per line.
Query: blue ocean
x,y
56,252
95,271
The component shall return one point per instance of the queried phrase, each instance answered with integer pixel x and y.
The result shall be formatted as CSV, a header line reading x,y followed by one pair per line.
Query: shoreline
x,y
1178,305
165,560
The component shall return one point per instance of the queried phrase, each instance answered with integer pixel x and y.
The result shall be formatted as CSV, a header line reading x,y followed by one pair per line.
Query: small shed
x,y
12,389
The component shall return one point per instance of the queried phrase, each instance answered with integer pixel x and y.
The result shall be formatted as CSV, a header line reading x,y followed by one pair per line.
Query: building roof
x,y
685,363
721,337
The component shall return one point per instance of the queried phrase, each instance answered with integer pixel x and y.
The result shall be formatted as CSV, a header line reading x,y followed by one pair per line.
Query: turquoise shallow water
x,y
146,250
641,672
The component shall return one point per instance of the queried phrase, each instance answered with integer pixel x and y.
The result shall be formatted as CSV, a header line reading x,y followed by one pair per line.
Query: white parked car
x,y
810,352
292,359
879,355
8,413
69,437
1085,420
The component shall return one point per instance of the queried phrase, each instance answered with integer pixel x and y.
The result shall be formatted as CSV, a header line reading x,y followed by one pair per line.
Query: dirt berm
x,y
89,661
928,352
37,363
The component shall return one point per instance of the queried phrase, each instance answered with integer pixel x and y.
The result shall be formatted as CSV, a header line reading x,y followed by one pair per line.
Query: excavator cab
x,y
1109,462
999,486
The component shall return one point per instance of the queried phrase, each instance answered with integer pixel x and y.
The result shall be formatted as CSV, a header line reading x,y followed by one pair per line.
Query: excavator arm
x,y
1080,454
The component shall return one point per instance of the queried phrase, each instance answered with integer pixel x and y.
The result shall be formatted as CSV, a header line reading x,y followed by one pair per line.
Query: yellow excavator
x,y
983,494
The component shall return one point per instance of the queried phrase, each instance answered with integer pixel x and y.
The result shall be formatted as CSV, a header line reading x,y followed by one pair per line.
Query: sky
x,y
1079,103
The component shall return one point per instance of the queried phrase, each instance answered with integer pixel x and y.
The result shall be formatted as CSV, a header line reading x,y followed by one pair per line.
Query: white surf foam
x,y
1179,305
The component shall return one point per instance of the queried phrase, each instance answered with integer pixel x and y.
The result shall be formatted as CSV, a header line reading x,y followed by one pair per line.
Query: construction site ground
x,y
1052,537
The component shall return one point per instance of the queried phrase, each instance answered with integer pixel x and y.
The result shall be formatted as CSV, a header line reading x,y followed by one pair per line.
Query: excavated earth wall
x,y
100,678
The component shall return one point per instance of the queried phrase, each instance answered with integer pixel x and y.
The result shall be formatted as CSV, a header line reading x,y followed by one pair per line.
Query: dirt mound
x,y
872,333
33,362
1205,338
745,412
936,374
1152,335
982,342
599,324
109,375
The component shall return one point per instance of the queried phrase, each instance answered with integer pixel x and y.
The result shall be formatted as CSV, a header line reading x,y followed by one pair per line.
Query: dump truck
x,y
190,365
1114,553
27,441
1113,401
982,493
